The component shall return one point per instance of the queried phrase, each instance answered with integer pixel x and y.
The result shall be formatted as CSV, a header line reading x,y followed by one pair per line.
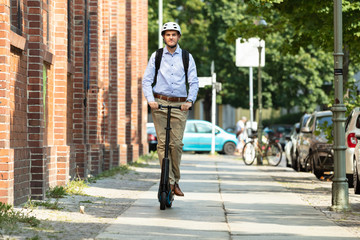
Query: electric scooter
x,y
165,194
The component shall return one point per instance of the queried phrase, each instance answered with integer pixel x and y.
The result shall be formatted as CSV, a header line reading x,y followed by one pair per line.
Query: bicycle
x,y
271,152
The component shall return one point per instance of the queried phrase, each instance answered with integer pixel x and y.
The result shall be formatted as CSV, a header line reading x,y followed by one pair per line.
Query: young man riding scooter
x,y
166,85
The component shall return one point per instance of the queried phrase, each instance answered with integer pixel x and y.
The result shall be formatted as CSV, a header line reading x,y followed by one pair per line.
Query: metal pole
x,y
259,160
160,22
251,96
213,112
340,188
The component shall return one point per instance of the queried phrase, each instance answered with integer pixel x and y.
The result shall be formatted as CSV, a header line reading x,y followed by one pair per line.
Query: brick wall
x,y
70,91
18,129
6,153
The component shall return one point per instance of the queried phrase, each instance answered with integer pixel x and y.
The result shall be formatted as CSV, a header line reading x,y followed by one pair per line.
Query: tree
x,y
204,24
311,23
210,28
300,80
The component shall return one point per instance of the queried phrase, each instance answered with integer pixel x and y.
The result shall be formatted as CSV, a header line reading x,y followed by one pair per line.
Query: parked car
x,y
152,138
313,143
295,164
352,128
197,137
290,145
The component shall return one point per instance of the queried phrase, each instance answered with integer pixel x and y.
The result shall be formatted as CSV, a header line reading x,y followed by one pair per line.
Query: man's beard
x,y
172,46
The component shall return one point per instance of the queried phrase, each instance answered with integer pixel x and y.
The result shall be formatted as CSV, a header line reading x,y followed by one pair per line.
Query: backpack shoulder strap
x,y
185,58
158,57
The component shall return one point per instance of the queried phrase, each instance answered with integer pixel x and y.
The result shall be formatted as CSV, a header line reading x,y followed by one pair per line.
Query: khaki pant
x,y
177,125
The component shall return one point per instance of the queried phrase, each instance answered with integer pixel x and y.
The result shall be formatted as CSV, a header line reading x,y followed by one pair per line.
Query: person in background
x,y
241,134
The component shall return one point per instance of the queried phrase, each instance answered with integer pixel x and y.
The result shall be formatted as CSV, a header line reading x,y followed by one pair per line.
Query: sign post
x,y
213,107
247,55
216,87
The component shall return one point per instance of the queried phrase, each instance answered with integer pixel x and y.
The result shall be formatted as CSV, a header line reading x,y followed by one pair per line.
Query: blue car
x,y
197,137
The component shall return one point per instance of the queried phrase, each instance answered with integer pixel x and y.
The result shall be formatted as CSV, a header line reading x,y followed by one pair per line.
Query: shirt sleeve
x,y
148,79
193,80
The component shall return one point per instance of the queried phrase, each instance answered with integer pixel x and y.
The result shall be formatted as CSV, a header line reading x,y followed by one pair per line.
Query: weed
x,y
109,173
76,187
56,192
144,160
9,218
34,238
47,204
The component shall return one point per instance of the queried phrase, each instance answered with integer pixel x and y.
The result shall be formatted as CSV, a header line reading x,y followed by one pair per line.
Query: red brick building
x,y
71,102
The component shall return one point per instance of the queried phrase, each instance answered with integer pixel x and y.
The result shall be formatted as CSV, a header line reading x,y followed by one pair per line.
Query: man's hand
x,y
153,105
186,106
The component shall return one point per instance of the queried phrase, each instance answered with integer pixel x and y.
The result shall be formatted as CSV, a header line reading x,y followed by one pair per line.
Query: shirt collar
x,y
177,51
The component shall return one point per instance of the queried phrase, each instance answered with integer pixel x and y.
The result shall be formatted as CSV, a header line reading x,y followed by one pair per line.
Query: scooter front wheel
x,y
169,200
162,200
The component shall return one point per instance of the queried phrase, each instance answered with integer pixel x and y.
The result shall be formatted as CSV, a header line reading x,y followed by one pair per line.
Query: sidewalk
x,y
224,199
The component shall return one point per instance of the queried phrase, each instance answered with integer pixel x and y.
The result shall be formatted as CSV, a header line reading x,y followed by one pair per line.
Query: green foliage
x,y
299,61
123,169
326,130
76,187
48,204
301,80
9,218
204,24
56,192
284,119
353,99
311,23
144,160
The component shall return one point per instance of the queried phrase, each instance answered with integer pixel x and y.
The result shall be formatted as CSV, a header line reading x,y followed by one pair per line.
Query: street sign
x,y
203,81
218,86
247,53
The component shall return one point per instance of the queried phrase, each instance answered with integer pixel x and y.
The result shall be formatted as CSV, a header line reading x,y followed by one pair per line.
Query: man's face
x,y
171,38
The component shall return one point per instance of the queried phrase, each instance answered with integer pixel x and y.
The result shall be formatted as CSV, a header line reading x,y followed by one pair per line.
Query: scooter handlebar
x,y
177,107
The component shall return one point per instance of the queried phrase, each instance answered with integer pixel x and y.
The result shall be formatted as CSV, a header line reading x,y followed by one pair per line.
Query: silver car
x,y
290,146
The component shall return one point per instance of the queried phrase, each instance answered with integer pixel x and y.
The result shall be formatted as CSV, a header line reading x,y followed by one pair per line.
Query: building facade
x,y
71,103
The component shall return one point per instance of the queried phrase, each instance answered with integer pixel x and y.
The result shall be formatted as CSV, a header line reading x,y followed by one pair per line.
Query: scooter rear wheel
x,y
162,200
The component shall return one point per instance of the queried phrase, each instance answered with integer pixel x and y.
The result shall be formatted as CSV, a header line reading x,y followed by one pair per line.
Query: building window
x,y
46,22
16,16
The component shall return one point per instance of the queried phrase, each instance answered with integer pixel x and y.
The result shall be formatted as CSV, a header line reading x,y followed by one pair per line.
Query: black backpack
x,y
158,57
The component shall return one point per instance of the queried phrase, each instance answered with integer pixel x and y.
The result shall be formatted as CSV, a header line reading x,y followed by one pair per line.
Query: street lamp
x,y
340,189
160,43
262,22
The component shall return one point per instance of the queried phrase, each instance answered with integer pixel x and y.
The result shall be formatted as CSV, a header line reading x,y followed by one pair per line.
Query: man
x,y
241,134
170,89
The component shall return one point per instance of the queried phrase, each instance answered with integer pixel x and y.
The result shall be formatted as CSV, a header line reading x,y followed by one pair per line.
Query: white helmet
x,y
170,26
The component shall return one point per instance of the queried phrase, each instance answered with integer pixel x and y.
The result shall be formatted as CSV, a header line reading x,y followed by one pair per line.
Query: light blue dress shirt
x,y
171,77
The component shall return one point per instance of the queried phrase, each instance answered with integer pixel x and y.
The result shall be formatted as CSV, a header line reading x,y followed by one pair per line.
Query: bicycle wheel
x,y
273,154
249,153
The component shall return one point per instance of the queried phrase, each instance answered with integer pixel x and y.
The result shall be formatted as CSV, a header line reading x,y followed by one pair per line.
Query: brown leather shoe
x,y
172,187
178,191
